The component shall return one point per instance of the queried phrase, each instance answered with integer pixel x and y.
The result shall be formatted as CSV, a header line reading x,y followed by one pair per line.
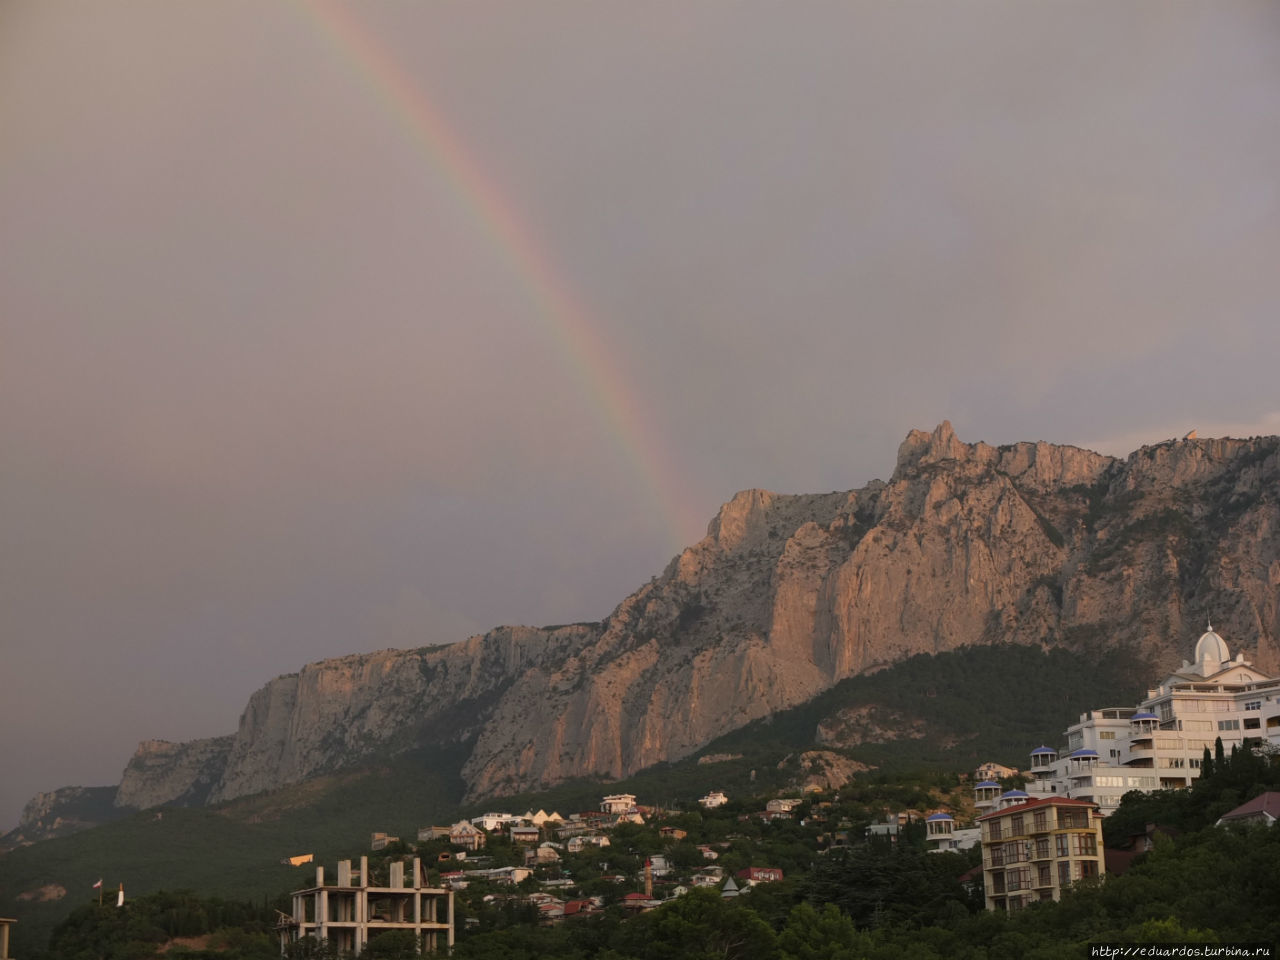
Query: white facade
x,y
716,798
618,803
1160,743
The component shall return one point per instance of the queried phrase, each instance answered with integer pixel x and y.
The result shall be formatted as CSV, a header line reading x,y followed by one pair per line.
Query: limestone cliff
x,y
1030,543
162,772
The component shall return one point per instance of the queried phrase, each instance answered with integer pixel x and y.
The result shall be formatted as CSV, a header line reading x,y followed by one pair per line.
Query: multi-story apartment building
x,y
1032,850
1160,742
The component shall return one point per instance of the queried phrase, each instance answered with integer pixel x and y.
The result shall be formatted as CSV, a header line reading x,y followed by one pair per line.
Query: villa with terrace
x,y
1159,743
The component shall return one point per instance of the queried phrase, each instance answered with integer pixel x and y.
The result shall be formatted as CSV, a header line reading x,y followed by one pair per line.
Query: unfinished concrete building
x,y
354,910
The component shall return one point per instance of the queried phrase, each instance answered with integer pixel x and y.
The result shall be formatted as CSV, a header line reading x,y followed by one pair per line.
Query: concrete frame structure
x,y
1160,743
5,924
348,913
1032,850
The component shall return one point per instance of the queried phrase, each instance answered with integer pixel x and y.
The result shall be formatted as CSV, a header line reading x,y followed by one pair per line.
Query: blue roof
x,y
1010,794
939,816
1083,753
1039,750
987,783
1144,716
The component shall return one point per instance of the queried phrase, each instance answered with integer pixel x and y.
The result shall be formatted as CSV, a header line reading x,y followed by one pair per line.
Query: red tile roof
x,y
1033,804
1268,803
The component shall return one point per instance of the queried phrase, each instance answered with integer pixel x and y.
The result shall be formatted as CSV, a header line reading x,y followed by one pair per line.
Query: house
x,y
506,876
1263,809
993,771
347,914
783,804
1033,850
716,798
618,803
525,834
659,866
756,875
672,833
494,821
708,852
543,853
579,843
542,817
883,830
426,834
466,835
708,877
1160,742
379,841
639,903
583,908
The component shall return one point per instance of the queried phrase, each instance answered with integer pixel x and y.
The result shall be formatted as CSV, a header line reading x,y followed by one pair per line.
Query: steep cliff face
x,y
61,812
786,595
162,772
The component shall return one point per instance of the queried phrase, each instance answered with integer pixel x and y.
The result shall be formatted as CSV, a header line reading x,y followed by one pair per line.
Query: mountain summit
x,y
786,595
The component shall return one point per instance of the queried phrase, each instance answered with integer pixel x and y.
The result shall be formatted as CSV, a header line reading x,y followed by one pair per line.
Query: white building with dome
x,y
1160,743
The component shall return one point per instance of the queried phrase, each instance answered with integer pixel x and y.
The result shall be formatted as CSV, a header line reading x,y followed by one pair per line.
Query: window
x,y
1173,763
1042,848
1064,872
1193,764
1045,876
994,830
1086,845
1017,828
1253,705
1060,845
1106,734
1088,868
1252,723
1228,724
1040,820
1115,754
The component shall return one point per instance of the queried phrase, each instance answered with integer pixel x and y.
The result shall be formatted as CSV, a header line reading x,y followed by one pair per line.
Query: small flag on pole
x,y
98,885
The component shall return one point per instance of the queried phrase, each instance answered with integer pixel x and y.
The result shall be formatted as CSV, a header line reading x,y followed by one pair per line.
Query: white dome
x,y
1212,647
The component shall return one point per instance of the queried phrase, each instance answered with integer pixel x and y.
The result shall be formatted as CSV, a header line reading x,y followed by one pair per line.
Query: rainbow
x,y
584,351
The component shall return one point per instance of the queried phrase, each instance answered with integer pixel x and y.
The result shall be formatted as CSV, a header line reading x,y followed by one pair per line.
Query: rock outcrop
x,y
1030,543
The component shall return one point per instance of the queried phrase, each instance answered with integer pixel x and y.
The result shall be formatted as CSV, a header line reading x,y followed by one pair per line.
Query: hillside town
x,y
1017,835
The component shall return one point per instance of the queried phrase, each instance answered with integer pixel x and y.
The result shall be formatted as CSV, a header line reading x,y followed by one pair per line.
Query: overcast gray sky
x,y
330,328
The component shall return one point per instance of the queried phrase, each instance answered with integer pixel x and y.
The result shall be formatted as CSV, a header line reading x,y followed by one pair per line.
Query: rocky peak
x,y
921,448
1030,543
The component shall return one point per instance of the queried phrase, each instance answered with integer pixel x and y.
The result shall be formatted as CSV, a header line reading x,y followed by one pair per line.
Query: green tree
x,y
826,935
700,925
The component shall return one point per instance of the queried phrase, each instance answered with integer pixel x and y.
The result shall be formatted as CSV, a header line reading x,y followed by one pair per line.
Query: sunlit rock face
x,y
786,595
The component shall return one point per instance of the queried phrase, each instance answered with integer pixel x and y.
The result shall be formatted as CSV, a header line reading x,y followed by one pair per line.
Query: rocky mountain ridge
x,y
1030,543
